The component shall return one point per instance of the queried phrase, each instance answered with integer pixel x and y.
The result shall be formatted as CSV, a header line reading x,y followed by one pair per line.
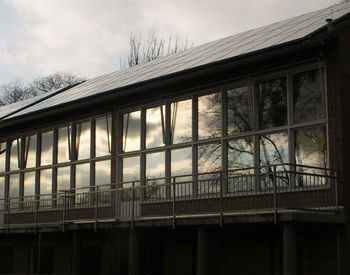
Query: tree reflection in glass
x,y
154,127
240,161
273,103
30,151
209,162
311,149
181,121
209,116
308,96
155,172
103,136
239,110
2,156
181,164
273,151
46,148
83,140
63,144
15,154
131,131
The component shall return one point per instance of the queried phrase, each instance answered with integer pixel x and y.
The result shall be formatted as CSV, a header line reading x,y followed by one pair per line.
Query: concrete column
x,y
289,249
133,252
76,253
202,251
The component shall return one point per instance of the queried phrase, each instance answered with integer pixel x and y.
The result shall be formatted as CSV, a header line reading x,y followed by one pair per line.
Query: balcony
x,y
273,190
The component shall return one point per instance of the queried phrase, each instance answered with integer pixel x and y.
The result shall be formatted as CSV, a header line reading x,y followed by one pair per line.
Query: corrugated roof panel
x,y
233,46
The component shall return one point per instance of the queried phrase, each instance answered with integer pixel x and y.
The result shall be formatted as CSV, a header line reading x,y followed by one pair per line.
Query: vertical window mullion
x,y
291,141
92,151
224,164
167,139
195,147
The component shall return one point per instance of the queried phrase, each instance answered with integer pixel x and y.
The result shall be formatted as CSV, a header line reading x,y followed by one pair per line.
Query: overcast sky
x,y
87,37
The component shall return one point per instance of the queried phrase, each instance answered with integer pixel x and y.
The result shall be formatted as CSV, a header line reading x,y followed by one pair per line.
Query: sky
x,y
88,37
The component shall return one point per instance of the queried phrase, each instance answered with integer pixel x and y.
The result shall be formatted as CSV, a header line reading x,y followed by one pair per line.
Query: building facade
x,y
231,157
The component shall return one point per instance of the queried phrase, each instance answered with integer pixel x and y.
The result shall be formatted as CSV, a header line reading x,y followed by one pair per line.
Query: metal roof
x,y
286,31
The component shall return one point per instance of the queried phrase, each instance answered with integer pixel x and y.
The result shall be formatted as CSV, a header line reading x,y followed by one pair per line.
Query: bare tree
x,y
16,90
143,51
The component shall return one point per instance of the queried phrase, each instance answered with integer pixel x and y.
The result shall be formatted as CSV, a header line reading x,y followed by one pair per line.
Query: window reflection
x,y
181,121
63,179
14,190
308,96
311,149
209,116
46,181
82,177
103,172
2,191
273,103
239,110
2,156
15,154
29,185
181,164
46,148
154,127
63,144
83,140
30,151
131,170
155,169
103,136
131,131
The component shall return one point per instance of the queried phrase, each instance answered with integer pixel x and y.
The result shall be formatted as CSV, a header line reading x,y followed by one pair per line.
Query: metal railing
x,y
270,188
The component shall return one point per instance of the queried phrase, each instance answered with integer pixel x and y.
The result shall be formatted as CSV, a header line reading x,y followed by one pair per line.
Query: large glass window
x,y
155,127
2,156
131,131
181,121
83,140
29,185
15,154
103,136
14,190
2,191
209,116
30,151
181,165
239,110
273,103
46,148
131,170
63,144
63,179
155,173
46,188
82,176
103,172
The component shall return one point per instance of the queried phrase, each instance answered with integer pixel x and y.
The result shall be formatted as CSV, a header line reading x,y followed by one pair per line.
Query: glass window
x,y
273,103
14,188
209,158
2,191
308,96
63,179
83,140
15,154
209,116
103,136
103,172
131,131
239,110
30,151
46,148
155,169
45,181
29,185
82,176
2,156
131,170
63,144
181,164
154,127
181,121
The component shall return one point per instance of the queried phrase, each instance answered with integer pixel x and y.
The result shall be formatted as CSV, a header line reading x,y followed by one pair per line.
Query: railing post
x,y
174,183
221,208
336,192
132,205
96,207
275,194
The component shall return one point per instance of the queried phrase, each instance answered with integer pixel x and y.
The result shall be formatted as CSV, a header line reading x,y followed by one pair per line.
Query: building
x,y
228,158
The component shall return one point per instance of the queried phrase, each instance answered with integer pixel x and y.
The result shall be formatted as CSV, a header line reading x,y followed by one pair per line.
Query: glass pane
x,y
14,158
311,149
2,191
29,185
241,159
2,156
308,96
274,151
103,136
181,121
131,131
63,145
131,170
14,186
273,103
63,179
82,177
103,172
154,130
239,111
181,164
83,140
46,148
209,116
155,168
30,153
46,181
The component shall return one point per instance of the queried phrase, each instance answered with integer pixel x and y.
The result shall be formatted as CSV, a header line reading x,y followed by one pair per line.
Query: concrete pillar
x,y
133,252
202,251
76,253
289,249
